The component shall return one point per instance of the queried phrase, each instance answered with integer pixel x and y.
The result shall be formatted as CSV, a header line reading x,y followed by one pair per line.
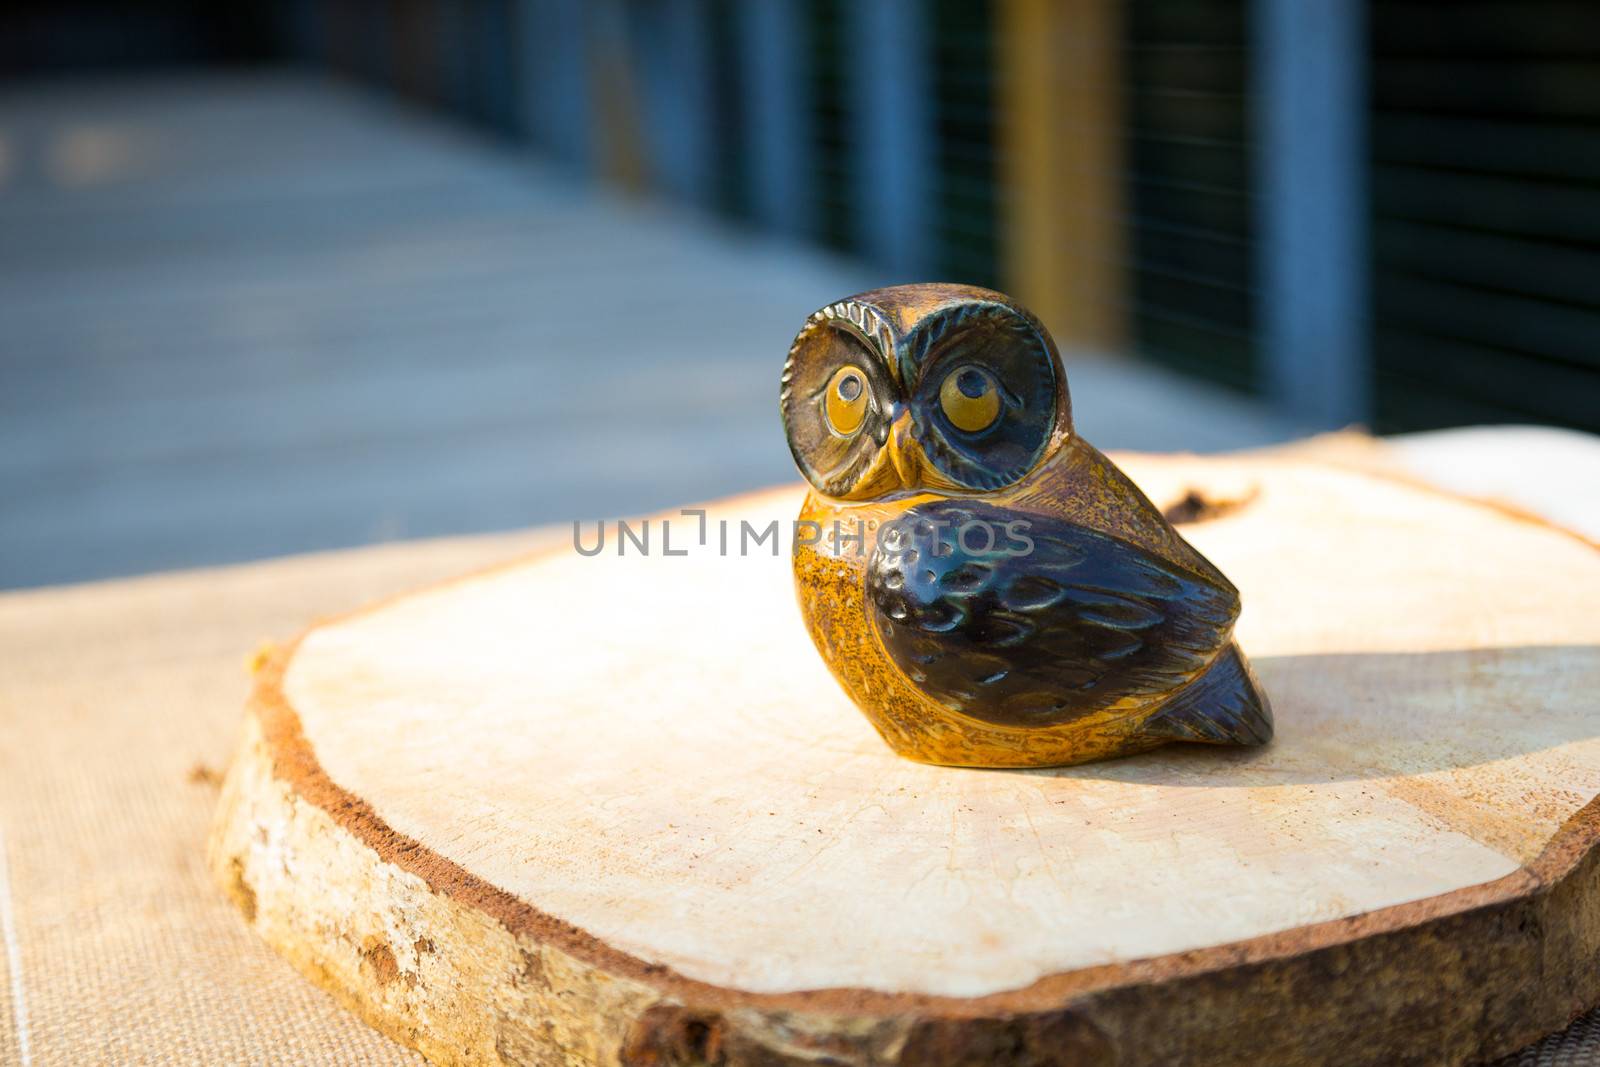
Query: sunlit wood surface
x,y
247,316
485,823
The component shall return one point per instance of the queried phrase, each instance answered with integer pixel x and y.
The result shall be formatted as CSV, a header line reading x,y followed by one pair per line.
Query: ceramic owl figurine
x,y
988,588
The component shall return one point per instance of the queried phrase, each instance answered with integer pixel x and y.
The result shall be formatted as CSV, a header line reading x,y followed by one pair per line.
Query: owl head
x,y
922,388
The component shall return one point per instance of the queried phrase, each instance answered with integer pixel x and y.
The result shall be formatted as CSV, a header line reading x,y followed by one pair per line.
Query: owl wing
x,y
1020,636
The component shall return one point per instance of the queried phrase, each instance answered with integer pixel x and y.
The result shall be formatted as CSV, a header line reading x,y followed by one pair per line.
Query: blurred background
x,y
283,277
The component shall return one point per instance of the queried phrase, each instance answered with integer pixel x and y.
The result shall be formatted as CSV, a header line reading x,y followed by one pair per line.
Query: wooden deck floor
x,y
248,316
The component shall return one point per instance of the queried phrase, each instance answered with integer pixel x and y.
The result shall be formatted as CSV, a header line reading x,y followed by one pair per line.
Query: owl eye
x,y
846,401
970,399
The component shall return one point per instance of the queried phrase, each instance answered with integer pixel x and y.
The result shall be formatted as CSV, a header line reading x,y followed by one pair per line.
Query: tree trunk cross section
x,y
613,809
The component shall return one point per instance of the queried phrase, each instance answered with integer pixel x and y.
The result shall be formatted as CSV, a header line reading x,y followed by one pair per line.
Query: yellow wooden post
x,y
1061,166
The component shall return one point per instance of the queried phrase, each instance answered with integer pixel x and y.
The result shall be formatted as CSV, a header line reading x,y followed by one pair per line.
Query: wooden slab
x,y
615,809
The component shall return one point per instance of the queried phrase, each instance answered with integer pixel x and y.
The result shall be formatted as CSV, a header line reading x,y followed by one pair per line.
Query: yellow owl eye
x,y
846,402
970,399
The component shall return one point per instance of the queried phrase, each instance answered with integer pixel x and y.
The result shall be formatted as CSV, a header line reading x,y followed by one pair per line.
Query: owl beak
x,y
903,448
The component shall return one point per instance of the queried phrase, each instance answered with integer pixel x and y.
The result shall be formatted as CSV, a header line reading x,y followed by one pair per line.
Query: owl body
x,y
987,587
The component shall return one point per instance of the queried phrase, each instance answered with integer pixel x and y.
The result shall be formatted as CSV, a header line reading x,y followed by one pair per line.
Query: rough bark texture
x,y
404,921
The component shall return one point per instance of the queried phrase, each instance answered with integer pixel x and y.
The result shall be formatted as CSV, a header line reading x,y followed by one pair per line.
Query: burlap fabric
x,y
119,703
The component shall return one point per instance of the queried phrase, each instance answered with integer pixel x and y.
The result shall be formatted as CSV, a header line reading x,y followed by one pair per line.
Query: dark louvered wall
x,y
965,239
832,157
961,65
1188,209
1486,212
730,171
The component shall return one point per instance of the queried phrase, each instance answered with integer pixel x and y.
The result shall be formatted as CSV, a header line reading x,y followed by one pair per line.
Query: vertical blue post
x,y
775,123
553,56
892,89
1310,75
672,40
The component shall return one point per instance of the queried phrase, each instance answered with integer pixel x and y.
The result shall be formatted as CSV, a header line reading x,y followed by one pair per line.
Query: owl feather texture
x,y
988,588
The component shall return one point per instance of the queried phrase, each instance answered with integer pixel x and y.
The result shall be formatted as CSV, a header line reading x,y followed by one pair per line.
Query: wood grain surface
x,y
613,809
186,260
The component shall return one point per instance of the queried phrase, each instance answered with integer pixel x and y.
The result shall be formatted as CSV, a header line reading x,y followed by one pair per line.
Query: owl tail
x,y
1224,706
